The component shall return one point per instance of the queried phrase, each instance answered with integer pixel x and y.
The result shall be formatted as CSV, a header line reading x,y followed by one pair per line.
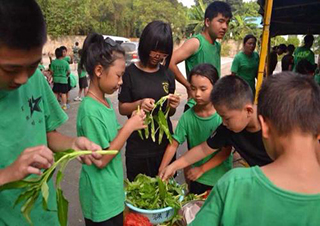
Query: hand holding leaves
x,y
32,187
30,161
82,143
147,104
174,100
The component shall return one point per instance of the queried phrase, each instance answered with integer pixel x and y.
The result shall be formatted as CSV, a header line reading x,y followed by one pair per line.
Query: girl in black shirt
x,y
144,83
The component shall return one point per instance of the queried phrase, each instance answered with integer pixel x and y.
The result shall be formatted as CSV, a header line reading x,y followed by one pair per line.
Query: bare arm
x,y
168,155
181,54
196,172
192,156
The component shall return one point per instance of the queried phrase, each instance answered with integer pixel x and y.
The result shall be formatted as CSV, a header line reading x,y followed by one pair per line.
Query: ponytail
x,y
99,51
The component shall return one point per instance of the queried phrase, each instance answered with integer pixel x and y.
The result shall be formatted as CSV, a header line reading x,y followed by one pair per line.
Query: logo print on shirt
x,y
214,133
34,105
165,86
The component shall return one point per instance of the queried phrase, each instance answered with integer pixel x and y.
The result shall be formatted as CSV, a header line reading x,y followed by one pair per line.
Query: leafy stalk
x,y
32,187
160,119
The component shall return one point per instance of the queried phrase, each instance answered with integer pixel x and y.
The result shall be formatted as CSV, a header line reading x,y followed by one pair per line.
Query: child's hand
x,y
136,121
194,173
30,161
167,172
147,104
174,100
82,143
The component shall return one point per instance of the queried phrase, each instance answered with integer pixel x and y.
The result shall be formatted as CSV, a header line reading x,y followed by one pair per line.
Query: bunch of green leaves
x,y
33,187
159,119
152,193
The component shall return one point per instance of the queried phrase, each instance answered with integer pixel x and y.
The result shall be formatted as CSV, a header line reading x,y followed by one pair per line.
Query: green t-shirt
x,y
67,59
60,69
41,67
206,53
81,72
245,196
73,81
302,53
197,130
27,114
101,191
246,67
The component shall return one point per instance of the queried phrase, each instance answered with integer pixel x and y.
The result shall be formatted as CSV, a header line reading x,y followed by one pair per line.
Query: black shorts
x,y
60,88
198,188
114,221
145,165
83,82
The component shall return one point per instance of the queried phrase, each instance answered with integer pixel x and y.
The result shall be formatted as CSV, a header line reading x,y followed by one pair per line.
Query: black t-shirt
x,y
138,84
249,145
286,61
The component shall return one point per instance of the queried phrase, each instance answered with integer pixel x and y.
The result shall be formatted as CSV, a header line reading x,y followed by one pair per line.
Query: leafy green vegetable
x,y
32,187
160,119
152,193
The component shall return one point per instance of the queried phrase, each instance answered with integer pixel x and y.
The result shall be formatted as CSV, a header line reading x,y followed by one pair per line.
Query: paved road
x,y
70,181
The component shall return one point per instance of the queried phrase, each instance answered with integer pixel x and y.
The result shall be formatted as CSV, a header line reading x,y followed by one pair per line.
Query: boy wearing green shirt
x,y
29,111
287,191
60,73
196,125
304,52
233,100
203,47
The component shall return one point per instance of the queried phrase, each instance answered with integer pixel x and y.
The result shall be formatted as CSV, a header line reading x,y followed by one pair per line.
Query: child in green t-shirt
x,y
196,125
60,73
101,188
233,100
287,191
29,111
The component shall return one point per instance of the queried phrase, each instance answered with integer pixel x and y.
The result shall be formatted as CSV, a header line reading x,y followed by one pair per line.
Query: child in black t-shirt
x,y
233,100
144,83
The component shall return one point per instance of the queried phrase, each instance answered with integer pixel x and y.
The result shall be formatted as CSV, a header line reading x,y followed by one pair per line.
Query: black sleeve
x,y
172,82
220,138
125,94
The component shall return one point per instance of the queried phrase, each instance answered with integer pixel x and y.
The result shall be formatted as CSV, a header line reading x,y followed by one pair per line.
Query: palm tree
x,y
196,17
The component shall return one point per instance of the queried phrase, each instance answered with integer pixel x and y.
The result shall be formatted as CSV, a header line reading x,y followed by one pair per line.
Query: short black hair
x,y
205,70
77,43
232,92
291,48
291,102
305,67
283,47
156,36
63,48
217,7
308,39
99,51
22,25
247,37
58,53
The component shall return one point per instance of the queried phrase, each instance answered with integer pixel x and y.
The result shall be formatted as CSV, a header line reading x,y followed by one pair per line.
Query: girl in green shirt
x,y
101,186
246,62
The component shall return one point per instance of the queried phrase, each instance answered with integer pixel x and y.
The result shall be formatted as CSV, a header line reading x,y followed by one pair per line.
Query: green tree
x,y
294,40
275,41
196,17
